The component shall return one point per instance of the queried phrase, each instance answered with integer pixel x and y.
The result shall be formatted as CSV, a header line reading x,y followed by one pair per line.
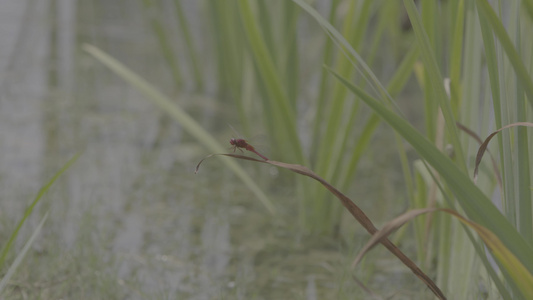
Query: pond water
x,y
130,220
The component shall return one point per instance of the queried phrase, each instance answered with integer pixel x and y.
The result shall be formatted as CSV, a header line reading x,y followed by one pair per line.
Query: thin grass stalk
x,y
471,81
508,88
448,248
355,26
188,123
528,4
464,259
335,109
347,170
236,74
496,79
336,106
396,84
271,119
217,28
398,80
507,45
462,262
290,55
436,81
363,67
360,146
228,48
191,49
345,140
266,26
527,43
246,101
467,193
519,68
461,196
428,14
336,134
386,15
419,201
456,55
7,246
334,211
20,256
277,96
278,24
240,70
475,203
354,58
430,107
404,160
215,24
525,208
323,89
164,41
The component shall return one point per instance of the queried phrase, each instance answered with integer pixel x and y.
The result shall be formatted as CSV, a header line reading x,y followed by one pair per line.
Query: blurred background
x,y
130,219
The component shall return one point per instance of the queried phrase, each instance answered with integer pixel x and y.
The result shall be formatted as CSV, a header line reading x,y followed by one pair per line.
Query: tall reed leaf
x,y
477,206
436,80
20,256
188,123
277,95
29,210
520,275
518,64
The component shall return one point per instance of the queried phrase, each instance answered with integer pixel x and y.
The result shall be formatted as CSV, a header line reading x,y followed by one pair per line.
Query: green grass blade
x,y
361,66
21,255
183,24
456,58
478,207
329,155
522,74
277,96
525,210
436,80
501,116
525,225
351,57
188,123
291,56
164,42
30,208
348,171
396,84
225,36
323,89
529,7
493,70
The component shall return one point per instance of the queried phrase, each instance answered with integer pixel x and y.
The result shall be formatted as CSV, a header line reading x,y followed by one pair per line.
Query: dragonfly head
x,y
233,141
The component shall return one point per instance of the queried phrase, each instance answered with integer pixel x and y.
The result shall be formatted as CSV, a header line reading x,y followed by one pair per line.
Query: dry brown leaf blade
x,y
483,147
363,219
478,139
226,154
366,289
356,212
387,229
523,278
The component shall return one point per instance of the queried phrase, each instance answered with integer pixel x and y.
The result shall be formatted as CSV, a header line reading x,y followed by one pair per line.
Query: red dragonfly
x,y
241,143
